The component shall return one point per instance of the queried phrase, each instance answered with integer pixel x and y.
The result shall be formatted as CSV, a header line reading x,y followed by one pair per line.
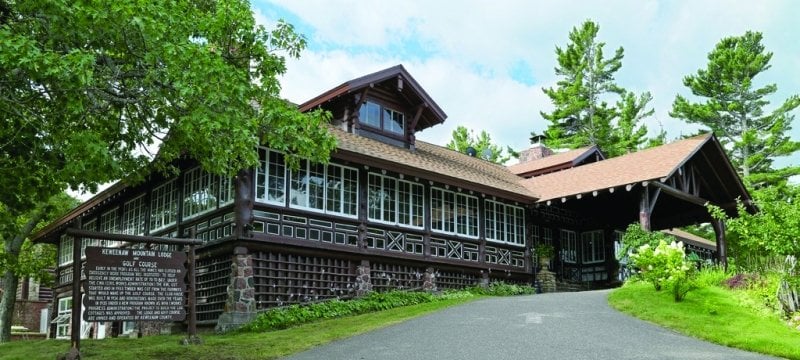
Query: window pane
x,y
449,211
261,174
389,201
404,202
437,209
276,187
370,114
417,205
316,186
350,191
375,201
334,194
299,186
393,121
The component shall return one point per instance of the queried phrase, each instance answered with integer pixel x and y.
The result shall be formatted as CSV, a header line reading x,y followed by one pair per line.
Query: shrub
x,y
666,266
499,288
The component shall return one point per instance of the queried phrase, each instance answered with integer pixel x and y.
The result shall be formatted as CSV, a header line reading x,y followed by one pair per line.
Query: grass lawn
x,y
712,313
268,345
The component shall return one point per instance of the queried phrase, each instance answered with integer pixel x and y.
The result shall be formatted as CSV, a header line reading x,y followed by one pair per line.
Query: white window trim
x,y
565,248
170,195
63,318
267,174
455,223
397,202
215,180
142,212
516,228
325,193
590,237
65,257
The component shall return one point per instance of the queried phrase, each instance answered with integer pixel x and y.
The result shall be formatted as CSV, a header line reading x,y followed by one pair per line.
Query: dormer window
x,y
382,118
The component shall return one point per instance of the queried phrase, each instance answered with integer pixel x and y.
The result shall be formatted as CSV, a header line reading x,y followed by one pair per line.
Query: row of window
x,y
592,247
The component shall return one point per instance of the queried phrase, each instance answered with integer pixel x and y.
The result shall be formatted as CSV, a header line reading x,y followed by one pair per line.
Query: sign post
x,y
131,284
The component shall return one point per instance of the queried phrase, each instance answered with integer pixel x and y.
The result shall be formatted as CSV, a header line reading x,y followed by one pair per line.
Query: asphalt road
x,y
547,326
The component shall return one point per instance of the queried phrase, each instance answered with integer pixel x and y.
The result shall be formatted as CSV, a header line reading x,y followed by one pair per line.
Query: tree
x,y
20,258
628,135
464,138
87,88
734,109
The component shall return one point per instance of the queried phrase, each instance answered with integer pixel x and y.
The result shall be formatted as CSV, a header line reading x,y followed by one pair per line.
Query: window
x,y
203,192
569,244
271,177
454,213
330,189
108,224
65,248
376,116
133,218
63,317
163,206
593,247
395,201
89,225
504,223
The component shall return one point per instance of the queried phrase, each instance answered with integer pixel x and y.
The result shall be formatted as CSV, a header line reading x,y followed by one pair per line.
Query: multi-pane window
x,y
593,250
133,216
108,224
63,317
271,177
330,189
377,116
569,246
203,192
163,206
504,223
92,226
454,213
65,248
395,201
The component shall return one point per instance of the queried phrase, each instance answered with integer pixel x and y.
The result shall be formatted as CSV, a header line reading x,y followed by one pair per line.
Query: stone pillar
x,y
484,279
363,281
429,280
240,307
547,280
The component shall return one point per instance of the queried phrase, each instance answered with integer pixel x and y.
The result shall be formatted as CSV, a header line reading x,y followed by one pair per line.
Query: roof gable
x,y
407,87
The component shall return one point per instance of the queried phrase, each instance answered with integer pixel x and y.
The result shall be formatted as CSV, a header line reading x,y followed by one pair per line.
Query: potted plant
x,y
544,252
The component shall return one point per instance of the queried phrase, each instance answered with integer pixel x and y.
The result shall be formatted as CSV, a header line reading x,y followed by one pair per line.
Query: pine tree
x,y
628,135
464,138
581,117
734,109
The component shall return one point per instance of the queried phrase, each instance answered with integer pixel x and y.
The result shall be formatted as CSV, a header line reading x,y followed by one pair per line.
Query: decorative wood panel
x,y
453,249
213,278
282,279
502,256
455,280
386,277
394,241
305,228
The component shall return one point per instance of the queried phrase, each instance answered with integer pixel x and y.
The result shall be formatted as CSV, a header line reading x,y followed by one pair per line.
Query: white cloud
x,y
465,53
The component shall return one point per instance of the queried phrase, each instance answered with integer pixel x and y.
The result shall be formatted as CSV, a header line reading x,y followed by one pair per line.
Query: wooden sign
x,y
134,285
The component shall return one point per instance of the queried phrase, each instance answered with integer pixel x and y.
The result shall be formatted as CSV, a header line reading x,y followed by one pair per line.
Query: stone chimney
x,y
537,151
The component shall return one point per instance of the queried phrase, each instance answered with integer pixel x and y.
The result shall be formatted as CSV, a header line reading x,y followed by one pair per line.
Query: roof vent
x,y
471,151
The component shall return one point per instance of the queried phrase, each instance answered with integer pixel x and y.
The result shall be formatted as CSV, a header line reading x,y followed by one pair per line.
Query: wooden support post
x,y
644,210
722,246
75,330
192,295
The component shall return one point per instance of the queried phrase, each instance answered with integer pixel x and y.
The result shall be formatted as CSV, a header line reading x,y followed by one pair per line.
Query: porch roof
x,y
555,162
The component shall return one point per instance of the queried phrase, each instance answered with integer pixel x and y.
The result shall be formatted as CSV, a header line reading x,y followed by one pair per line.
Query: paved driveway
x,y
547,326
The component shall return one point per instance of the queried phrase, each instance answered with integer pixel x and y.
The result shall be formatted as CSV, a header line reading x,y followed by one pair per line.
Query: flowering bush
x,y
666,266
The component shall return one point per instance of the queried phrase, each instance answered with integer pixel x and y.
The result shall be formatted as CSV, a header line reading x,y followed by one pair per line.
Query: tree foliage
x,y
89,90
733,105
582,114
464,138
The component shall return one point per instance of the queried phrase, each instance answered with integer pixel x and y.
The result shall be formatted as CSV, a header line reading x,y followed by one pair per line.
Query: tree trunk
x,y
10,281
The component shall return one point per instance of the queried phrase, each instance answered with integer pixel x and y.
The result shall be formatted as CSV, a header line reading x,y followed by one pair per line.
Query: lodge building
x,y
392,212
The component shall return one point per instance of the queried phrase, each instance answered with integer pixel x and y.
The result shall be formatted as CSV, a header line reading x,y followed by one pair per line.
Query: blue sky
x,y
486,62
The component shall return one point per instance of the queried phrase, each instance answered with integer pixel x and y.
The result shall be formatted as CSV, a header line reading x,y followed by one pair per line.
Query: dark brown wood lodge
x,y
391,212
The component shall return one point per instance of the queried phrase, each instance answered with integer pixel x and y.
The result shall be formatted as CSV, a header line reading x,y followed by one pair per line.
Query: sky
x,y
485,62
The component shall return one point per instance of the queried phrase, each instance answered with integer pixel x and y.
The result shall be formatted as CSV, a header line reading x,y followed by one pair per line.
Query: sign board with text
x,y
134,285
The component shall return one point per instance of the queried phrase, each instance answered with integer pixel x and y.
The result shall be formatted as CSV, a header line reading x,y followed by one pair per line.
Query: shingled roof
x,y
649,164
434,162
555,162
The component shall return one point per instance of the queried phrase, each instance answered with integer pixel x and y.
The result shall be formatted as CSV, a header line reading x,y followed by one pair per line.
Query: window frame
x,y
506,230
134,212
348,194
62,320
265,170
399,197
569,246
452,205
384,125
164,206
590,238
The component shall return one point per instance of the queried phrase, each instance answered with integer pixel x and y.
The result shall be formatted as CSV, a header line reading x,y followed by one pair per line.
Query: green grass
x,y
713,314
237,346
